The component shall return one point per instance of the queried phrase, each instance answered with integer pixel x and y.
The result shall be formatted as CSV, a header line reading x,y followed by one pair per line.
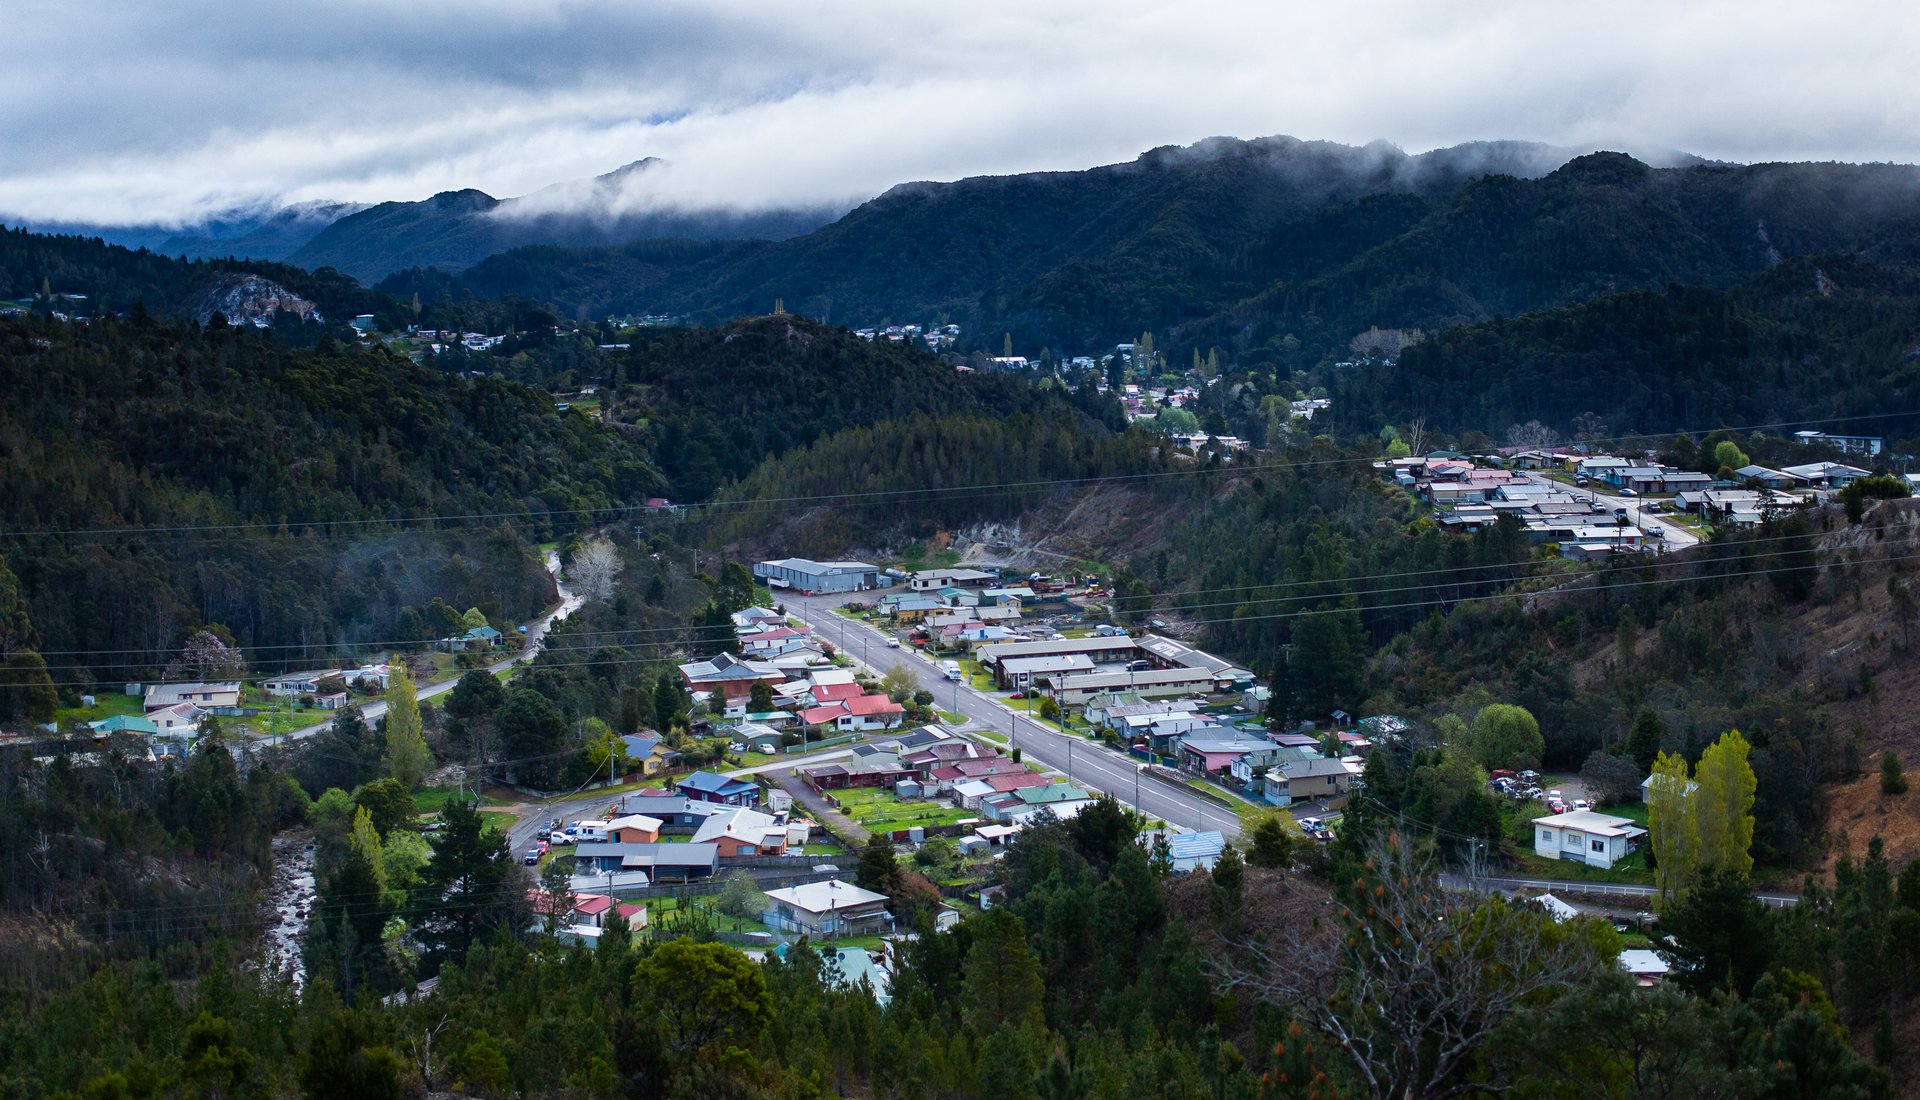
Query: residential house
x,y
884,771
479,637
1646,968
706,786
741,834
299,683
1153,683
646,754
1207,755
1025,672
206,696
678,815
831,908
732,676
1319,779
179,722
756,618
912,609
1600,840
1188,851
677,862
1827,475
635,829
860,712
773,641
1772,479
127,724
1868,445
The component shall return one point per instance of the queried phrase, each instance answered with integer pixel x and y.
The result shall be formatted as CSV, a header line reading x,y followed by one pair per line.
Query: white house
x,y
1586,837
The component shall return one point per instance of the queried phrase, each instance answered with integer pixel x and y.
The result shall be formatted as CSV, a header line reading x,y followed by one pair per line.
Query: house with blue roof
x,y
125,723
646,755
713,787
1195,851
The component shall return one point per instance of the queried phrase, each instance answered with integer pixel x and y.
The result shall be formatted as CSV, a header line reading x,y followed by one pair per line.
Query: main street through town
x,y
1085,762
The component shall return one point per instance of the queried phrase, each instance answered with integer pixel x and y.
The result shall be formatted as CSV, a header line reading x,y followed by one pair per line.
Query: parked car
x,y
1529,775
533,857
1628,493
893,643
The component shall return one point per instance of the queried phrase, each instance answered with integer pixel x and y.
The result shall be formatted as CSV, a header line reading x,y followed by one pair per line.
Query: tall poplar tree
x,y
1724,805
1671,827
407,755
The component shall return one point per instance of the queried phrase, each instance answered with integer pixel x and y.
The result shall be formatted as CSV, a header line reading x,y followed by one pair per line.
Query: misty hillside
x,y
453,229
1243,244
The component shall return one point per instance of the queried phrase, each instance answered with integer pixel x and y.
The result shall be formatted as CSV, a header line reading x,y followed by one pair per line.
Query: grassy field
x,y
878,810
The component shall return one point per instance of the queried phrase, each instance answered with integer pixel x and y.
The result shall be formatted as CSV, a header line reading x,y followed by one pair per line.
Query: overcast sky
x,y
118,111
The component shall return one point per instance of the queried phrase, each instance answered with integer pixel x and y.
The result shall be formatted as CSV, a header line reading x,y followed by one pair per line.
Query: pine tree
x,y
1893,778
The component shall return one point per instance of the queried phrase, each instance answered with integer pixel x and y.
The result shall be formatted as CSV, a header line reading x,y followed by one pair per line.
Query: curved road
x,y
536,634
1086,763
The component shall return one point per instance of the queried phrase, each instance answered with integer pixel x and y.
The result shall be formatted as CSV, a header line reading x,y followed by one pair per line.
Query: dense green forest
x,y
719,401
1811,339
163,476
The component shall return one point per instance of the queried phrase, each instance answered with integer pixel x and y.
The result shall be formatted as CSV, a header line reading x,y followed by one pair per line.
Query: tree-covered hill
x,y
1602,224
1061,258
1808,340
721,400
143,457
1262,247
113,279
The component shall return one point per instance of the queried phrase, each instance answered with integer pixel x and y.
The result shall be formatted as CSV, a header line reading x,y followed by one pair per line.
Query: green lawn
x,y
434,799
950,718
751,759
1632,869
105,706
498,822
876,810
658,909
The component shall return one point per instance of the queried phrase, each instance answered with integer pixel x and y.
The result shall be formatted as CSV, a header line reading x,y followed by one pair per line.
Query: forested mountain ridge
x,y
1144,242
1813,339
152,442
1274,249
1601,224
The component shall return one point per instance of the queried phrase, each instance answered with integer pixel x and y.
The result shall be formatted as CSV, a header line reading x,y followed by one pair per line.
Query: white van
x,y
591,831
951,669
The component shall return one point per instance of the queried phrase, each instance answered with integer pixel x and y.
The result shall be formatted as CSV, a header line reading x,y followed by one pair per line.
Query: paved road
x,y
1771,899
530,644
1086,763
1674,536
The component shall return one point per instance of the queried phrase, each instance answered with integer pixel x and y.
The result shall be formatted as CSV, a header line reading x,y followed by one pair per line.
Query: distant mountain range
x,y
1277,249
453,229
